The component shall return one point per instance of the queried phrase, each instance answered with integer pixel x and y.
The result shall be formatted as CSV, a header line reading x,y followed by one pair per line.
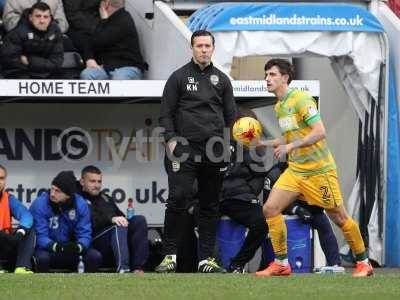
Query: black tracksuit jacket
x,y
102,208
244,180
197,104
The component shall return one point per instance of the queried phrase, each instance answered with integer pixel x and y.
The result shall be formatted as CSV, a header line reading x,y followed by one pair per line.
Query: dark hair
x,y
42,6
4,169
90,169
284,66
201,33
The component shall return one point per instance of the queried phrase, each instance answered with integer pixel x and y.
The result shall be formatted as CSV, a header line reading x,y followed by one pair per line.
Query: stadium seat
x,y
72,66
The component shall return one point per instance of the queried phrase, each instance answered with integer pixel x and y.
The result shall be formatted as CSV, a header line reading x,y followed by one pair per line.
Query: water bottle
x,y
130,211
81,265
299,262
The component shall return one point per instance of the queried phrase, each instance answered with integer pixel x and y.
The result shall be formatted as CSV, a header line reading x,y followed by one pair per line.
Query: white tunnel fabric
x,y
340,46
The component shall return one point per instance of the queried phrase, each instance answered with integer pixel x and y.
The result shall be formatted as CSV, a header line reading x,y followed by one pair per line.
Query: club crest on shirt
x,y
176,165
214,79
72,214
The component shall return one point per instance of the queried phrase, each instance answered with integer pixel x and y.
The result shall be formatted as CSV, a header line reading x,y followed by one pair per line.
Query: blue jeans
x,y
124,73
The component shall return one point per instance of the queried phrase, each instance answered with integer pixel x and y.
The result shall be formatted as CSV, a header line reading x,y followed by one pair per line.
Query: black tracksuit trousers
x,y
182,179
250,216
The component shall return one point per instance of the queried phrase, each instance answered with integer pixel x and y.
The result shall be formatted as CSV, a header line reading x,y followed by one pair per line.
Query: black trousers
x,y
18,255
46,260
251,216
182,179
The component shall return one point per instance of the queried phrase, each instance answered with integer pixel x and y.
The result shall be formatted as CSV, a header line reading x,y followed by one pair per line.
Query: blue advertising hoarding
x,y
284,17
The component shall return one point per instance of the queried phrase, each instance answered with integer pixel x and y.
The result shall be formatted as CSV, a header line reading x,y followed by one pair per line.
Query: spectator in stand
x,y
16,247
34,49
83,17
15,9
63,227
122,242
114,51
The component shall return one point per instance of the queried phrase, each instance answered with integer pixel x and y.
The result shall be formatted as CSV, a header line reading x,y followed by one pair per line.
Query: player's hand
x,y
172,146
56,247
120,221
281,151
72,248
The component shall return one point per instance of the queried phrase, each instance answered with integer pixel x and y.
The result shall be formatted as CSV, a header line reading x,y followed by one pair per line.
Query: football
x,y
246,130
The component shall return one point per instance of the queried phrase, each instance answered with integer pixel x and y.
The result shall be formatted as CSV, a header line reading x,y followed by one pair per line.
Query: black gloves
x,y
73,248
68,247
56,247
304,214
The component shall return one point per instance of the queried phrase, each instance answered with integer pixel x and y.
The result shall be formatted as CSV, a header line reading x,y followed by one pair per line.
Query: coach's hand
x,y
172,146
120,221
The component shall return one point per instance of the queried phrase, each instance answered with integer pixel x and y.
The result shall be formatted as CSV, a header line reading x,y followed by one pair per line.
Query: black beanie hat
x,y
66,182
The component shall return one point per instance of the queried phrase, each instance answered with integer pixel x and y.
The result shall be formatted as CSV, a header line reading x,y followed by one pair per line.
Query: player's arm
x,y
270,143
317,133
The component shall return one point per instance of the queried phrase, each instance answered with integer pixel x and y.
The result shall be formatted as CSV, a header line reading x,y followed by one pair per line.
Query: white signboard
x,y
123,88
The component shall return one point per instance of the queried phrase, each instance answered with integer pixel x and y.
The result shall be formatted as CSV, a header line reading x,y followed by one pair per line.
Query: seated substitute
x,y
243,183
15,10
113,51
123,243
16,248
34,49
63,228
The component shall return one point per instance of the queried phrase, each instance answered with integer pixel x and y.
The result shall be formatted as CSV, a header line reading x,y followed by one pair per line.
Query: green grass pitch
x,y
197,286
